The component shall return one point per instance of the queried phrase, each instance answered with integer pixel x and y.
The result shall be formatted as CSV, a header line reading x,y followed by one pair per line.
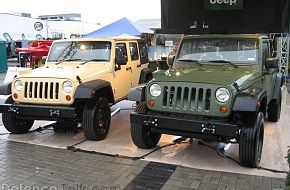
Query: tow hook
x,y
208,128
13,110
54,114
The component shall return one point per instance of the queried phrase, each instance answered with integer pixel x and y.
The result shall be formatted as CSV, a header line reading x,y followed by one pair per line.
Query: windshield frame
x,y
255,50
80,53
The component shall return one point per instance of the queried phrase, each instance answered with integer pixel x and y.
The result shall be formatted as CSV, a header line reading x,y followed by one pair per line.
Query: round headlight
x,y
18,85
67,86
155,90
222,95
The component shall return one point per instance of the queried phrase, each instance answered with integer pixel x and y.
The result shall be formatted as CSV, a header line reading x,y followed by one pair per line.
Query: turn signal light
x,y
223,109
151,103
68,98
15,96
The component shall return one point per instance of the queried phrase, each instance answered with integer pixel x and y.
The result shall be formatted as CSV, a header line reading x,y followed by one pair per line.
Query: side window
x,y
143,52
133,51
266,53
121,50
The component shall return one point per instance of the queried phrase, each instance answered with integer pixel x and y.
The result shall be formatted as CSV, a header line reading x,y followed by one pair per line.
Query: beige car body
x,y
44,86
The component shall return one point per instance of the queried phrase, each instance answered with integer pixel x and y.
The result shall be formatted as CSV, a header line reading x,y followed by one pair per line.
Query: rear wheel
x,y
96,119
274,108
141,135
251,141
14,125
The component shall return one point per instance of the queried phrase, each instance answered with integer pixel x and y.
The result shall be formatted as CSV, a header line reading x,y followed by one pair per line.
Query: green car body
x,y
219,88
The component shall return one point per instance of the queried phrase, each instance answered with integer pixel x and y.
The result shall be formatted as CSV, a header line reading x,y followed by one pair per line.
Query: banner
x,y
223,4
255,16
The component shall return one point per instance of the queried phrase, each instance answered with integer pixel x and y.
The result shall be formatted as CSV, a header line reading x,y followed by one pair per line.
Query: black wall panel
x,y
257,16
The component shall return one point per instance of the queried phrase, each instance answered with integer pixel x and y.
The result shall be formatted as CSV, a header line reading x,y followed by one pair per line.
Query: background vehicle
x,y
220,88
80,80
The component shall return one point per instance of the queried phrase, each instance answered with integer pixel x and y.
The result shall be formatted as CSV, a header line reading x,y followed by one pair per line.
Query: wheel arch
x,y
5,89
251,100
95,88
278,84
137,93
145,74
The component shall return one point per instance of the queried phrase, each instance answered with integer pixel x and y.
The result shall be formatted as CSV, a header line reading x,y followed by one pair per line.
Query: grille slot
x,y
186,98
41,90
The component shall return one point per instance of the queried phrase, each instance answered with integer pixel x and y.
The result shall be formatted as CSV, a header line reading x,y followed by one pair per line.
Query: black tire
x,y
14,125
251,141
141,135
96,119
274,108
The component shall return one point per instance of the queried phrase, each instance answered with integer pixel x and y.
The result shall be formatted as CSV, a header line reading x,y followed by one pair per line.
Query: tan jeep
x,y
80,80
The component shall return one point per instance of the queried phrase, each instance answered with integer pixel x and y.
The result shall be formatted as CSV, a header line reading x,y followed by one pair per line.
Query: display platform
x,y
187,153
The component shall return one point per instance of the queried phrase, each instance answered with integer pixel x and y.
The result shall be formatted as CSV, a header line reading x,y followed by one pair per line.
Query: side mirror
x,y
121,60
170,60
272,63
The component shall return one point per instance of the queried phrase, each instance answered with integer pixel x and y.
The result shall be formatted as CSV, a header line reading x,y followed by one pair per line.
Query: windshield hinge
x,y
79,79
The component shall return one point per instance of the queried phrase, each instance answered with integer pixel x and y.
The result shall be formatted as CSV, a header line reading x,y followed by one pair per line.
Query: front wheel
x,y
251,141
96,119
14,125
141,135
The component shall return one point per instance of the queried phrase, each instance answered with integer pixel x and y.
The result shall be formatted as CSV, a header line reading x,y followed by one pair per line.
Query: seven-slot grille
x,y
41,90
187,98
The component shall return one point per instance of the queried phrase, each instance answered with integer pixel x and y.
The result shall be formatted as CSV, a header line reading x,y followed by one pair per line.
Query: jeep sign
x,y
223,4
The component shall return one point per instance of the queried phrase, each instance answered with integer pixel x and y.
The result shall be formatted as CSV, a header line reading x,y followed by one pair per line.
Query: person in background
x,y
174,50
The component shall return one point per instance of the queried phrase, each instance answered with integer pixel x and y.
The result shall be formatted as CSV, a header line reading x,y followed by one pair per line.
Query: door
x,y
123,73
135,63
142,63
268,75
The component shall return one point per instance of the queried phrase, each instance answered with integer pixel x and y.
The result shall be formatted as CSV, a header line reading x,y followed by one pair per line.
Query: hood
x,y
68,71
219,76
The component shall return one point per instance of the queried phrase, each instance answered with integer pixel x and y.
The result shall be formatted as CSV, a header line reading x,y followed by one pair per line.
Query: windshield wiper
x,y
92,60
224,61
74,59
69,46
191,61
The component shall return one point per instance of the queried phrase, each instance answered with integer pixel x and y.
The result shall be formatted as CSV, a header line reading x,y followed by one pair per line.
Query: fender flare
x,y
144,74
90,89
5,89
249,100
278,84
137,93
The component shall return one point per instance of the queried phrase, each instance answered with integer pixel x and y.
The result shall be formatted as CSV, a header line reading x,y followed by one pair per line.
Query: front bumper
x,y
188,127
54,113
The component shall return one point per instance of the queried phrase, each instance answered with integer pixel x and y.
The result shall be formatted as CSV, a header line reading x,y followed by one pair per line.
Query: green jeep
x,y
219,88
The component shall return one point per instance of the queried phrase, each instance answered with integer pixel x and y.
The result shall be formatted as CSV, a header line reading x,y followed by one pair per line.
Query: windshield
x,y
80,51
241,51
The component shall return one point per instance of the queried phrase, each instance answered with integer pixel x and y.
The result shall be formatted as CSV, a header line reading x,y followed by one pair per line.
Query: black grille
x,y
188,98
41,90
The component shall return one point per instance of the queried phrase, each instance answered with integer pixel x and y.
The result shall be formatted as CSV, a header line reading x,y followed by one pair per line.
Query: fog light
x,y
15,96
68,97
151,103
224,109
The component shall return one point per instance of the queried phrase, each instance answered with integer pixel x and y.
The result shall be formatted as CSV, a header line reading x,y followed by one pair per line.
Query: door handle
x,y
139,66
128,68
